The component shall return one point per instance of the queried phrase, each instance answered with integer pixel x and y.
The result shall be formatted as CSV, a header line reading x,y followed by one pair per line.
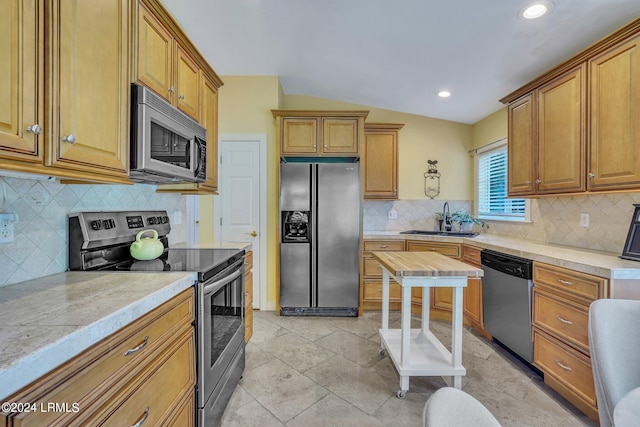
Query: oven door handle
x,y
210,288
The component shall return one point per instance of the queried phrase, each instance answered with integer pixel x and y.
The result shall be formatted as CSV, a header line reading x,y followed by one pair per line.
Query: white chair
x,y
450,407
614,340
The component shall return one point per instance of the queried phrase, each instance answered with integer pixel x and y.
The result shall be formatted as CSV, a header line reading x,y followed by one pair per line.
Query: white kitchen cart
x,y
417,352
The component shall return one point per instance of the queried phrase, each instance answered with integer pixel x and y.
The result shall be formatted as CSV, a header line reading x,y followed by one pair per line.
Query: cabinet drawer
x,y
565,320
173,372
568,282
471,255
388,245
371,267
89,378
373,291
569,367
449,249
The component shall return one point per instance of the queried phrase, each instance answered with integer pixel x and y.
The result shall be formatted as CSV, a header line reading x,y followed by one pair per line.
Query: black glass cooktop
x,y
206,262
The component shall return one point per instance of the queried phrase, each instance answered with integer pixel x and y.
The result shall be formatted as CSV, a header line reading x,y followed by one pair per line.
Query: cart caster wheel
x,y
382,352
400,394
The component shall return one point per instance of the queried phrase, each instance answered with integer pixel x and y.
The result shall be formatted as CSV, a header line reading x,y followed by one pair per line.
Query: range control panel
x,y
120,226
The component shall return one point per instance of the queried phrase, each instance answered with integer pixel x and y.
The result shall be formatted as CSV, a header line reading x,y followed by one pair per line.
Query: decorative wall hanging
x,y
432,179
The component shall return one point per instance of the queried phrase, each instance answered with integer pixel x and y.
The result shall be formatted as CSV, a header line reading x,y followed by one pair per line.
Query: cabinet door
x,y
340,136
210,121
561,133
615,127
20,81
381,165
89,86
154,67
473,300
187,85
299,136
522,146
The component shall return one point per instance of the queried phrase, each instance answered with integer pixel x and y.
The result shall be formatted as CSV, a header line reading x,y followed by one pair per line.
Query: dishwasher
x,y
506,301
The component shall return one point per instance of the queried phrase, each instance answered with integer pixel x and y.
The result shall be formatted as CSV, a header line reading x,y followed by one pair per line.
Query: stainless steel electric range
x,y
100,241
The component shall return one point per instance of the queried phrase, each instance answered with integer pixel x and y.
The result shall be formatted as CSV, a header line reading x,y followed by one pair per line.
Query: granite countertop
x,y
45,322
601,264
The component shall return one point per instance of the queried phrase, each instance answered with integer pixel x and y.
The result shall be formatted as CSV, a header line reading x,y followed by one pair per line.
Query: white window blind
x,y
492,188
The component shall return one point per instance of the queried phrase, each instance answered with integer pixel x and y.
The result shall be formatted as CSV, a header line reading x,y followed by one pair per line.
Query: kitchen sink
x,y
440,233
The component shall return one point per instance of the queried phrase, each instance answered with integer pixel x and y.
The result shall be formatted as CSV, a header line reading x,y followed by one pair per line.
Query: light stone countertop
x,y
45,322
601,264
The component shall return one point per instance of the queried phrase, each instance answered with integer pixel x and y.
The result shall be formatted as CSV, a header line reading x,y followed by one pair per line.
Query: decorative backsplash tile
x,y
554,220
42,207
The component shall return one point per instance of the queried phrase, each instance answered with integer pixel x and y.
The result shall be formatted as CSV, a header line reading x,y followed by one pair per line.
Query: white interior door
x,y
240,209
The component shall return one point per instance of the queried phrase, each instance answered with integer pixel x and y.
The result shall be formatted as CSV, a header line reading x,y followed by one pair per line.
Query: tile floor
x,y
315,371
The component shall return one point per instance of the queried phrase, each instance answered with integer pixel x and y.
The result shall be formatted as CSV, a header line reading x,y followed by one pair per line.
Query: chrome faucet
x,y
446,218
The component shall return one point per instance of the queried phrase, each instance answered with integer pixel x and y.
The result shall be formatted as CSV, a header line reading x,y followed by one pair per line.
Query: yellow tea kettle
x,y
148,247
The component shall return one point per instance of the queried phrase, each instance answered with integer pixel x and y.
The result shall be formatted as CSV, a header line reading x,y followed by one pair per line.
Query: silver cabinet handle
x,y
538,181
564,282
568,322
563,366
70,139
384,246
527,182
171,89
34,129
143,418
180,96
591,175
138,348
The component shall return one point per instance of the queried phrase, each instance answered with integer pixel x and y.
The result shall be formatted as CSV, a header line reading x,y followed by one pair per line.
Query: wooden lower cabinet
x,y
560,315
371,289
248,295
149,363
473,291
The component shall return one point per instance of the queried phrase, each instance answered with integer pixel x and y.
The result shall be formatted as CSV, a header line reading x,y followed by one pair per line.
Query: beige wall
x,y
245,104
489,129
421,139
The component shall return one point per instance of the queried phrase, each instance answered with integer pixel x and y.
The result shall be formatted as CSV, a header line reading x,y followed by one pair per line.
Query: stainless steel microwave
x,y
167,146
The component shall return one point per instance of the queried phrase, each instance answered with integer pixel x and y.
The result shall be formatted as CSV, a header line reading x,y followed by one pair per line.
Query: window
x,y
491,190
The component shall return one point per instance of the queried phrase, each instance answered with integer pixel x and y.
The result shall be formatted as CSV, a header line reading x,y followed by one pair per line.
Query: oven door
x,y
220,328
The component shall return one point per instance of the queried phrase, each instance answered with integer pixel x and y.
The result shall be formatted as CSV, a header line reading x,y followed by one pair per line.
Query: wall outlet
x,y
177,217
584,219
392,214
7,221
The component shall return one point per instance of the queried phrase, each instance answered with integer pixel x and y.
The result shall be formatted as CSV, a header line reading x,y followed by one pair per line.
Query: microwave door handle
x,y
187,153
198,145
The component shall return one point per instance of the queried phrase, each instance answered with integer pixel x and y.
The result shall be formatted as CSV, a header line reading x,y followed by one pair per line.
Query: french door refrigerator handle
x,y
314,234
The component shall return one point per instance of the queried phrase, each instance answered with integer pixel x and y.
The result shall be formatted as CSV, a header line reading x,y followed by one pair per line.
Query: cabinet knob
x,y
591,175
180,96
538,181
34,129
171,89
70,139
326,146
527,182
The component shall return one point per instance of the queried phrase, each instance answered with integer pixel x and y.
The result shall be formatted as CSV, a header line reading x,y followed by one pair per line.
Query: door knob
x,y
253,234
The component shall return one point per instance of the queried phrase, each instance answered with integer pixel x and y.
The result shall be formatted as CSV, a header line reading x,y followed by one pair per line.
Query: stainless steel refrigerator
x,y
320,239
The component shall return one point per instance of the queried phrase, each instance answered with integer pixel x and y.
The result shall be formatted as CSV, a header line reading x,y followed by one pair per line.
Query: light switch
x,y
392,214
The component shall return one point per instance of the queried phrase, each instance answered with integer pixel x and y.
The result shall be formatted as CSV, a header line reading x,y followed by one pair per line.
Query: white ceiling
x,y
397,54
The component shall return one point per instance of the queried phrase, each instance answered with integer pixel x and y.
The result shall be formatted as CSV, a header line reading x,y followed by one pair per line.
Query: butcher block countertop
x,y
424,264
45,322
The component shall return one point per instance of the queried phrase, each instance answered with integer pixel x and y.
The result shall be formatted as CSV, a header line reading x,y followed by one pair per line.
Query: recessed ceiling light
x,y
536,9
444,94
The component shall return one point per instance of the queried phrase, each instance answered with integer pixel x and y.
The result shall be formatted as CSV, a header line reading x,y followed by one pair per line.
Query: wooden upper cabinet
x,y
581,117
155,55
89,86
299,135
381,160
20,82
615,124
320,133
188,85
562,133
340,136
521,146
164,65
